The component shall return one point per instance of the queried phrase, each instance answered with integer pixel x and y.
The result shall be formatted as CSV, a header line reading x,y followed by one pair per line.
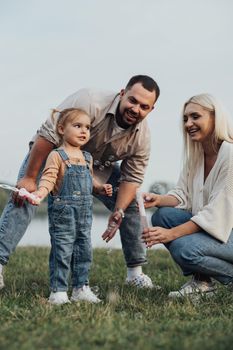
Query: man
x,y
118,133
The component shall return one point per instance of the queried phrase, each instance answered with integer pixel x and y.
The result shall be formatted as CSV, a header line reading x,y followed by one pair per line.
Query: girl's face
x,y
76,132
199,122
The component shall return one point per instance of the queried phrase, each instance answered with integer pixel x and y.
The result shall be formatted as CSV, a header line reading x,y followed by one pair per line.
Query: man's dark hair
x,y
147,82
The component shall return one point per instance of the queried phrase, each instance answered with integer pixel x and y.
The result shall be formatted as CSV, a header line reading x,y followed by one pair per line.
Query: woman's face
x,y
199,122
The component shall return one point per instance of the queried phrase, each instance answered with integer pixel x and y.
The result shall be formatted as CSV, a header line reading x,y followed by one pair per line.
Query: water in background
x,y
37,234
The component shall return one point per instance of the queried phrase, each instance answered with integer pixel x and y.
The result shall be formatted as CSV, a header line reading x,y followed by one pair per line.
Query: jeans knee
x,y
169,217
184,254
161,217
191,256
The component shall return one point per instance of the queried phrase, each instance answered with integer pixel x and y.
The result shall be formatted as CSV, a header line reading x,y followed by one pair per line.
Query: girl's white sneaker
x,y
84,294
58,298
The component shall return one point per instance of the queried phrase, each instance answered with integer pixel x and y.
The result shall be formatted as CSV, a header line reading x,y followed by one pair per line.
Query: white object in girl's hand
x,y
22,192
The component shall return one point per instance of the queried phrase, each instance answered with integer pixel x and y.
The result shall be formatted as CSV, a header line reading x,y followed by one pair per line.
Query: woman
x,y
195,220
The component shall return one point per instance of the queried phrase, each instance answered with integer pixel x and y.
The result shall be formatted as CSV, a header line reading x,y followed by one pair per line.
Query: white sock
x,y
133,272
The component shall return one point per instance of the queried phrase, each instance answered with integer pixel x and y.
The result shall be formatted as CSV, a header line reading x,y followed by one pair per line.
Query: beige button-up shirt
x,y
131,146
210,201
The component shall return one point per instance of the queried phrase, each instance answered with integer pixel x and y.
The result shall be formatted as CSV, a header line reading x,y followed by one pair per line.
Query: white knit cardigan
x,y
211,202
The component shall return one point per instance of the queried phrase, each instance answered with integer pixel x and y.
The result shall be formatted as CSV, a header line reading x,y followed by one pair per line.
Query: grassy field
x,y
126,319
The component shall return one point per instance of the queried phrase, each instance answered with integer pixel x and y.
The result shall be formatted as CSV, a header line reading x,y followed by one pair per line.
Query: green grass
x,y
126,319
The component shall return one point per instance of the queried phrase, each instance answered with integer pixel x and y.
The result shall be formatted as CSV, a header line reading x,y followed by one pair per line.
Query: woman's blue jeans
x,y
198,252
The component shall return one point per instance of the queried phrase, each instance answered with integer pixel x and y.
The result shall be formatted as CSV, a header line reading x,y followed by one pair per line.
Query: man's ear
x,y
122,92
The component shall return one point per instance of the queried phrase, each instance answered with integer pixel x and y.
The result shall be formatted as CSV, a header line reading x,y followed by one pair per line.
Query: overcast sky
x,y
51,48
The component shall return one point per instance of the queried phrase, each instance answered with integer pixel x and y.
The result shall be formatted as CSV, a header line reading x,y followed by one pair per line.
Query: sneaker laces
x,y
58,298
199,286
84,293
194,286
89,292
140,281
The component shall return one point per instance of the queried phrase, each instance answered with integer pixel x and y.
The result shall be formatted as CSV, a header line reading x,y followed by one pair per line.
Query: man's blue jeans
x,y
198,252
14,222
131,228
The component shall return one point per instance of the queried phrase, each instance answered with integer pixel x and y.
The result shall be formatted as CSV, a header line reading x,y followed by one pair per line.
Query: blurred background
x,y
50,49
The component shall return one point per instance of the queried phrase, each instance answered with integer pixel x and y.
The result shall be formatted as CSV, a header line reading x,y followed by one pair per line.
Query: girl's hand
x,y
106,190
151,200
156,235
33,198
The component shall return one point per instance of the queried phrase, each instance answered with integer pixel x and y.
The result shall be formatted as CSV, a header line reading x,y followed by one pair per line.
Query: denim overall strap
x,y
88,158
64,156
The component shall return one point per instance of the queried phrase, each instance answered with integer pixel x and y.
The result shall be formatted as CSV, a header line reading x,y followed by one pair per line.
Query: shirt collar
x,y
114,105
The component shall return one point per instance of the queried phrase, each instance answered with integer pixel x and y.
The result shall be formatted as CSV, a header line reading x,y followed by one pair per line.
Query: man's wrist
x,y
121,211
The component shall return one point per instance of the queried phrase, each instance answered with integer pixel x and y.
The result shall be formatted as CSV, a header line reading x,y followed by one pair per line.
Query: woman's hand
x,y
151,200
156,235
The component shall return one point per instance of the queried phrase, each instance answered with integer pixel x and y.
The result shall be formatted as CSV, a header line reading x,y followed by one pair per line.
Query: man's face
x,y
135,104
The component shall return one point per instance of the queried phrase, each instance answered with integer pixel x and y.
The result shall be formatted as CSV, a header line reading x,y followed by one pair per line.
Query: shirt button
x,y
111,158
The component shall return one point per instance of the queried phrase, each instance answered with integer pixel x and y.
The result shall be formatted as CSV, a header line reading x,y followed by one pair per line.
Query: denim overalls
x,y
70,219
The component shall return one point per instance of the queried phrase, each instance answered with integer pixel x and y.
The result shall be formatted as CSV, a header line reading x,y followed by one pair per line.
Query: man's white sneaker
x,y
84,294
194,288
1,277
58,298
140,281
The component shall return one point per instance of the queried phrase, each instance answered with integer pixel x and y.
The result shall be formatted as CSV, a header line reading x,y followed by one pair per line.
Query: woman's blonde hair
x,y
65,116
223,130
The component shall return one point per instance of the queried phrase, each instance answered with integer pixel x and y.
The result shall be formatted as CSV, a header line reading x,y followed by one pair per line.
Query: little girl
x,y
68,177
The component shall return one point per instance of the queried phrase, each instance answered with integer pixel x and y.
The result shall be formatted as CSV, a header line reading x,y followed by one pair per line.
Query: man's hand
x,y
114,223
29,184
38,154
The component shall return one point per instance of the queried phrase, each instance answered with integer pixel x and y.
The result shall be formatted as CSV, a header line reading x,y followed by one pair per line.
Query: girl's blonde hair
x,y
65,116
223,128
